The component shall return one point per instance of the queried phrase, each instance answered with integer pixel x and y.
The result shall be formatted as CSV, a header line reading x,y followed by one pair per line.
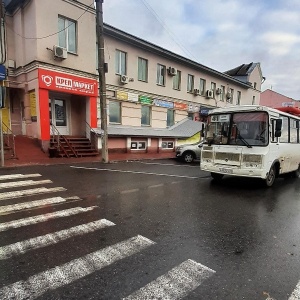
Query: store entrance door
x,y
58,109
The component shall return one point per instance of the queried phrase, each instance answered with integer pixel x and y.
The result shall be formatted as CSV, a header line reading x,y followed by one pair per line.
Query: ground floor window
x,y
170,117
137,145
114,112
146,115
167,145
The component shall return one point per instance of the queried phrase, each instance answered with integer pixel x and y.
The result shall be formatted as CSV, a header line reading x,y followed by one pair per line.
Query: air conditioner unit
x,y
60,52
209,94
124,79
219,91
196,91
228,95
172,71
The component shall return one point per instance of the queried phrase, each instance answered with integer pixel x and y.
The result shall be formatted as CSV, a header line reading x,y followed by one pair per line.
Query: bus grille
x,y
209,148
206,154
227,156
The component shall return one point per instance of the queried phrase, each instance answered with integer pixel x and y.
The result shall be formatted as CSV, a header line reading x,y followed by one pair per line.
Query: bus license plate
x,y
224,170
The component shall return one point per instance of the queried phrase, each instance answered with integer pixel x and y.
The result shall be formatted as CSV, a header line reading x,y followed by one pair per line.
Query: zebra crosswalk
x,y
176,283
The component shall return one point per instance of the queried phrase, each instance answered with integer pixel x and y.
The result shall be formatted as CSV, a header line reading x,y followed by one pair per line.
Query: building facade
x,y
52,78
273,99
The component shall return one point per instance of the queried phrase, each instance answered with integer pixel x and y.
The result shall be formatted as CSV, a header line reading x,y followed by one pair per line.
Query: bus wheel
x,y
296,174
216,176
270,177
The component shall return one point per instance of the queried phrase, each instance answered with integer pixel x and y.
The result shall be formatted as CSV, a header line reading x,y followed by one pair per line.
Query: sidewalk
x,y
29,153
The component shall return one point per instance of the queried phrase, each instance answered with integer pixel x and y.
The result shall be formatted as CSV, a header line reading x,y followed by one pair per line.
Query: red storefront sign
x,y
182,106
62,82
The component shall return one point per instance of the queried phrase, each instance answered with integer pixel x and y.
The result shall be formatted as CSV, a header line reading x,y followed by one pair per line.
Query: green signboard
x,y
145,100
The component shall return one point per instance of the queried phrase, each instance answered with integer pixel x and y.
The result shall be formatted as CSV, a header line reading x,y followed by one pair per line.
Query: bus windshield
x,y
241,128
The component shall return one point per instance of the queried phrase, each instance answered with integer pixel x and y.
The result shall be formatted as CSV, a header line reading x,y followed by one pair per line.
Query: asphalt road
x,y
146,230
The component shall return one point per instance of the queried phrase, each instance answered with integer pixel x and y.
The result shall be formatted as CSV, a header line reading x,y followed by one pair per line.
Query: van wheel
x,y
188,156
296,174
216,176
270,177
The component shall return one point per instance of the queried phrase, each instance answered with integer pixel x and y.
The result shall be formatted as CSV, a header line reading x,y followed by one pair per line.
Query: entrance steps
x,y
71,146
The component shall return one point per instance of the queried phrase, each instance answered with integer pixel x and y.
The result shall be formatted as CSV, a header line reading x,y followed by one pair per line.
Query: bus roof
x,y
251,108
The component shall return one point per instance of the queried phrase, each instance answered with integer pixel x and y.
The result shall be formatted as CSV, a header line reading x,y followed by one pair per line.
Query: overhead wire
x,y
169,32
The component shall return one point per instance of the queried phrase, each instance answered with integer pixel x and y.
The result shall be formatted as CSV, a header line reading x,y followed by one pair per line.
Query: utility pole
x,y
2,98
102,83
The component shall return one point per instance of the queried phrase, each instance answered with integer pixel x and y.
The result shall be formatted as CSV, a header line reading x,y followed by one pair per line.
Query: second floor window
x,y
177,81
213,88
67,34
222,96
238,98
142,69
190,83
161,74
120,62
231,95
202,87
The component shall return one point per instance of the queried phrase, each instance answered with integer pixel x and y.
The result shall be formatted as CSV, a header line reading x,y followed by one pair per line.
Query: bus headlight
x,y
252,161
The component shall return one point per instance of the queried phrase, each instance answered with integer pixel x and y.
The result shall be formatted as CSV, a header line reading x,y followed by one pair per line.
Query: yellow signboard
x,y
122,95
193,139
32,99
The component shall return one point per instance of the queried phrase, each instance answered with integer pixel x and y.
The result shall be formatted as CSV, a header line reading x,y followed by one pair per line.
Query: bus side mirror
x,y
278,126
277,133
202,129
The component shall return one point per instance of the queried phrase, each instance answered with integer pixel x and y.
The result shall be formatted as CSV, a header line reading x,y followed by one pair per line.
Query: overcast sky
x,y
221,34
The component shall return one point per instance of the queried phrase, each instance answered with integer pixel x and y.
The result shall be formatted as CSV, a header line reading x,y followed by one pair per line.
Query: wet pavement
x,y
142,229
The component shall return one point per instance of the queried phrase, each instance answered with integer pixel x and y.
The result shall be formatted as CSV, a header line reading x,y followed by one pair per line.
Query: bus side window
x,y
273,128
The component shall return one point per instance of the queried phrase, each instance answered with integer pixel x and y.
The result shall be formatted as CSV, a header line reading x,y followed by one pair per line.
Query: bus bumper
x,y
234,170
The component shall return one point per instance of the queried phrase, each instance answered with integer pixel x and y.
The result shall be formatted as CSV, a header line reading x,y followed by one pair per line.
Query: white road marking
x,y
59,276
13,184
44,218
17,176
155,185
175,284
29,192
135,172
51,238
129,191
160,164
32,204
296,293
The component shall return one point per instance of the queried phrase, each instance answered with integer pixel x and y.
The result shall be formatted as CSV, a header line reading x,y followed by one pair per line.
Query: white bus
x,y
252,141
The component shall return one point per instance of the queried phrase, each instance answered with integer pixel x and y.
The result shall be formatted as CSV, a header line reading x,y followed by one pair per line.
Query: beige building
x,y
52,87
157,73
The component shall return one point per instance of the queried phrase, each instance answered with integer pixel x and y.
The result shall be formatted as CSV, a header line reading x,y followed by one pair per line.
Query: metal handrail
x,y
7,132
56,138
88,130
